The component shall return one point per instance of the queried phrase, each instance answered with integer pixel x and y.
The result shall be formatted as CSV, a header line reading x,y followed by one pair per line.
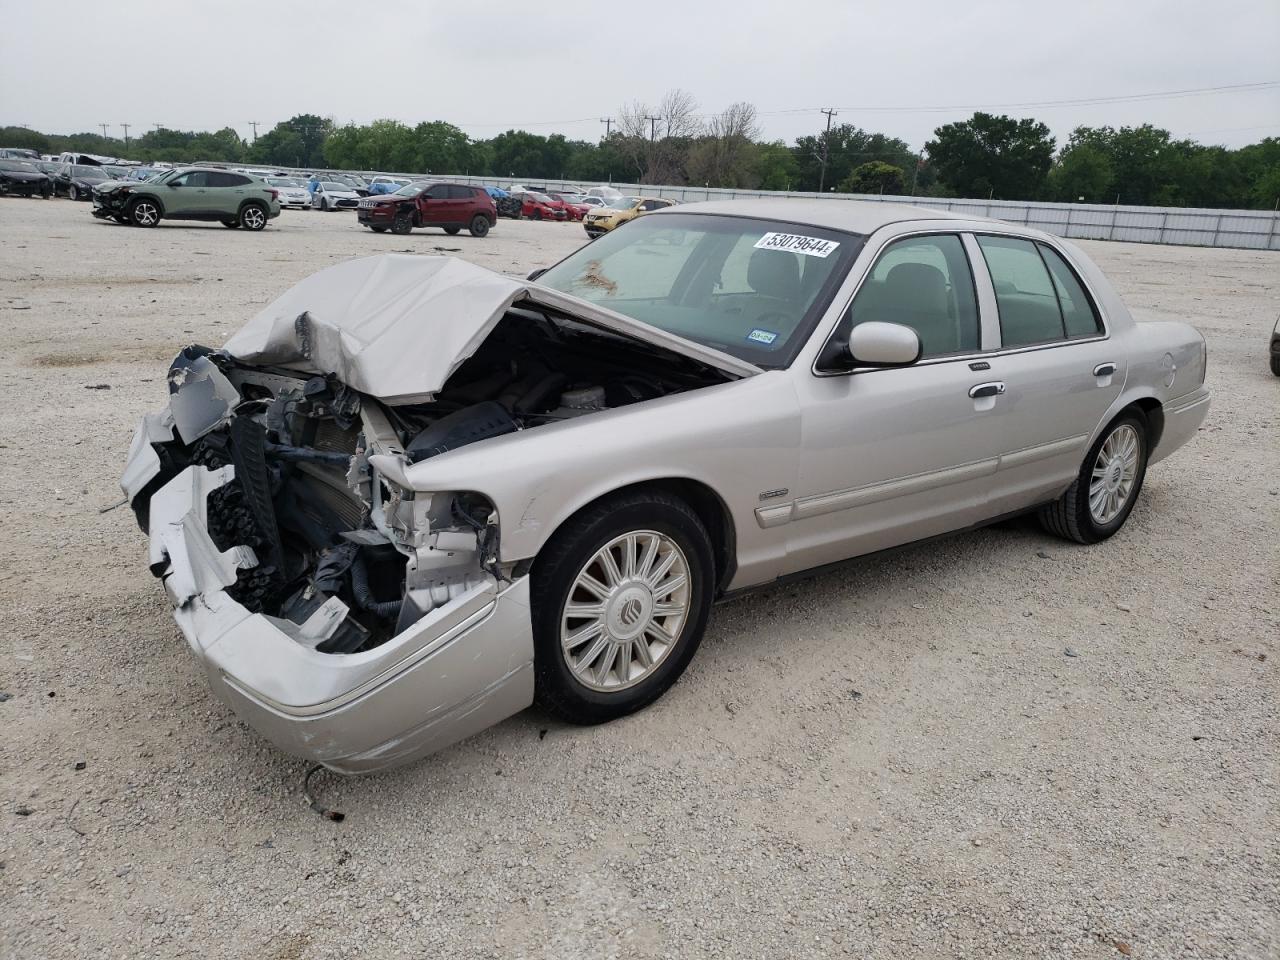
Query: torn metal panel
x,y
182,552
397,326
143,464
201,398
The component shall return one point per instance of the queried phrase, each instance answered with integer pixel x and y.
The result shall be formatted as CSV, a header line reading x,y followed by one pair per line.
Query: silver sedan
x,y
412,497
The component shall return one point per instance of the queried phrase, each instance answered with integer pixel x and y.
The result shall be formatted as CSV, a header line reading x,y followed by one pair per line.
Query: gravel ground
x,y
899,759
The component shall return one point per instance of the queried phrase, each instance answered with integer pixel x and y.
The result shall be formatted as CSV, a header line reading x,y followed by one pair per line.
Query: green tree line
x,y
984,156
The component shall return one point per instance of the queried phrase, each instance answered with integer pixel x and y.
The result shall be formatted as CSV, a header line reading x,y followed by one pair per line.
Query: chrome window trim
x,y
968,235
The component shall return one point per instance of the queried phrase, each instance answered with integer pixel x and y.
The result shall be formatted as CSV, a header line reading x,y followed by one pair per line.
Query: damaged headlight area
x,y
303,529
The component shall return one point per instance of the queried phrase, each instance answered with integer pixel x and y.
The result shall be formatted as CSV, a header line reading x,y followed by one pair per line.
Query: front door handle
x,y
992,389
1104,369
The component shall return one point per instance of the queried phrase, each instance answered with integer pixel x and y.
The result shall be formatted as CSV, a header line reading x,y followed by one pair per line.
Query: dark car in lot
x,y
77,180
24,179
450,206
235,200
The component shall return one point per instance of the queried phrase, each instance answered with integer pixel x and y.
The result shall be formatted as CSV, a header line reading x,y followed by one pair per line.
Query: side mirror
x,y
878,344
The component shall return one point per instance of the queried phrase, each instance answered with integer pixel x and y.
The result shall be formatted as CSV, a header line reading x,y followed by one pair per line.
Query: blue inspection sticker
x,y
762,336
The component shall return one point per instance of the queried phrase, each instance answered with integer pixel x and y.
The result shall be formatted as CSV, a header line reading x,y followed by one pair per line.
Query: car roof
x,y
852,216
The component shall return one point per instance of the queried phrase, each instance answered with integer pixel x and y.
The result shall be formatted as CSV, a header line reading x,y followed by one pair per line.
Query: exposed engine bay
x,y
340,551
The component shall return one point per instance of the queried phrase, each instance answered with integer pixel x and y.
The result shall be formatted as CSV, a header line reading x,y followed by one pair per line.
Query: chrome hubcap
x,y
253,218
625,610
146,213
1113,474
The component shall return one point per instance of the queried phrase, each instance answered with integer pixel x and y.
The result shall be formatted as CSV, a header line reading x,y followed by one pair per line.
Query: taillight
x,y
275,194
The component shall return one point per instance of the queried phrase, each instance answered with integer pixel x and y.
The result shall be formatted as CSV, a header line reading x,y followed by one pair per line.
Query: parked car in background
x,y
572,203
330,195
18,153
439,494
591,201
22,178
603,193
617,212
76,181
383,185
293,193
235,200
504,202
450,206
538,206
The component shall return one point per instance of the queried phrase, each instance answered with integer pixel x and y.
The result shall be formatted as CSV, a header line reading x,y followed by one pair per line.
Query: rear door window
x,y
459,193
1079,315
1025,294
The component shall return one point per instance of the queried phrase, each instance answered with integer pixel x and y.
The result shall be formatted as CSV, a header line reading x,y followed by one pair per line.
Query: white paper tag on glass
x,y
809,246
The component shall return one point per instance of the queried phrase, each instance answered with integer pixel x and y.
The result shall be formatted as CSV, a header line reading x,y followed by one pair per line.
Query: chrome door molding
x,y
824,503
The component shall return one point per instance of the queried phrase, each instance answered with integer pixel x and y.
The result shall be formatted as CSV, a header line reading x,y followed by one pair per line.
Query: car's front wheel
x,y
402,224
479,226
1100,500
73,193
253,216
144,213
621,596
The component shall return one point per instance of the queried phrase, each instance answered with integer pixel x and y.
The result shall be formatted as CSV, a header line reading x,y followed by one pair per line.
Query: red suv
x,y
451,206
538,206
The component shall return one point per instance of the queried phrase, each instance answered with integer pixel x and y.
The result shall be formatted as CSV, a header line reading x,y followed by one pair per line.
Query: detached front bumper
x,y
461,668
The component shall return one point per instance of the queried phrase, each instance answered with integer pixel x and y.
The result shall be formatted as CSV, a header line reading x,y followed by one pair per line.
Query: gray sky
x,y
557,67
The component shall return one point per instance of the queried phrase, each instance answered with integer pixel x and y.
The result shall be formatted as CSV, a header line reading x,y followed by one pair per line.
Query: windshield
x,y
18,165
330,187
410,189
88,173
569,197
540,198
623,203
282,182
751,288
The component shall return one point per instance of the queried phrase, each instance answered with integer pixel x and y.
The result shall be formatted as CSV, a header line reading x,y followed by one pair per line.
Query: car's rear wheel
x,y
402,224
536,215
452,231
621,596
253,216
1275,364
479,226
1100,500
144,213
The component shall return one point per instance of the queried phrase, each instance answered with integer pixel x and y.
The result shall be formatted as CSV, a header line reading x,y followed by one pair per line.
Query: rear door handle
x,y
1104,369
992,389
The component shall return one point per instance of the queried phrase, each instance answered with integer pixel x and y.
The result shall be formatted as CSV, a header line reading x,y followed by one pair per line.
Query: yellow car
x,y
619,211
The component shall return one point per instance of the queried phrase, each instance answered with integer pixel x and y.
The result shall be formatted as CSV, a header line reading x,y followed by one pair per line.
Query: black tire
x,y
73,193
1275,364
144,212
254,217
452,231
1069,516
557,689
324,204
536,215
231,224
479,226
402,224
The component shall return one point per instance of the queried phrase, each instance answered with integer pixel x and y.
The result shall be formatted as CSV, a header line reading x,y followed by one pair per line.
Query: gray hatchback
x,y
190,193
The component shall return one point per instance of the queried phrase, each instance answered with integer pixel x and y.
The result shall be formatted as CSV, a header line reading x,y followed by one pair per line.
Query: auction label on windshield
x,y
809,246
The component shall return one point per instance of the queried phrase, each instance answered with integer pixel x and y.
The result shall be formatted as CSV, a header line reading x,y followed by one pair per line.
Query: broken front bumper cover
x,y
463,667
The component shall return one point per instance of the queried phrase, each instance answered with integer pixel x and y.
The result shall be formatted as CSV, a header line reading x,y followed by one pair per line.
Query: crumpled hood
x,y
397,326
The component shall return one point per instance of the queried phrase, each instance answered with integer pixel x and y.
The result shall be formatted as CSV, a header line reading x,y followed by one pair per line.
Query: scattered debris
x,y
1069,652
5,696
315,805
855,694
114,506
97,386
1197,737
80,765
1124,606
24,811
1043,556
542,734
1123,947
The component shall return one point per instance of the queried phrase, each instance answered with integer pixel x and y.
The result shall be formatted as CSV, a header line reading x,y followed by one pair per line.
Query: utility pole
x,y
126,134
653,127
254,124
104,131
157,127
826,143
915,177
608,126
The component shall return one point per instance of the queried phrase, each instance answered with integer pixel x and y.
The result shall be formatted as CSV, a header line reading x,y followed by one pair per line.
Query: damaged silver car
x,y
412,496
